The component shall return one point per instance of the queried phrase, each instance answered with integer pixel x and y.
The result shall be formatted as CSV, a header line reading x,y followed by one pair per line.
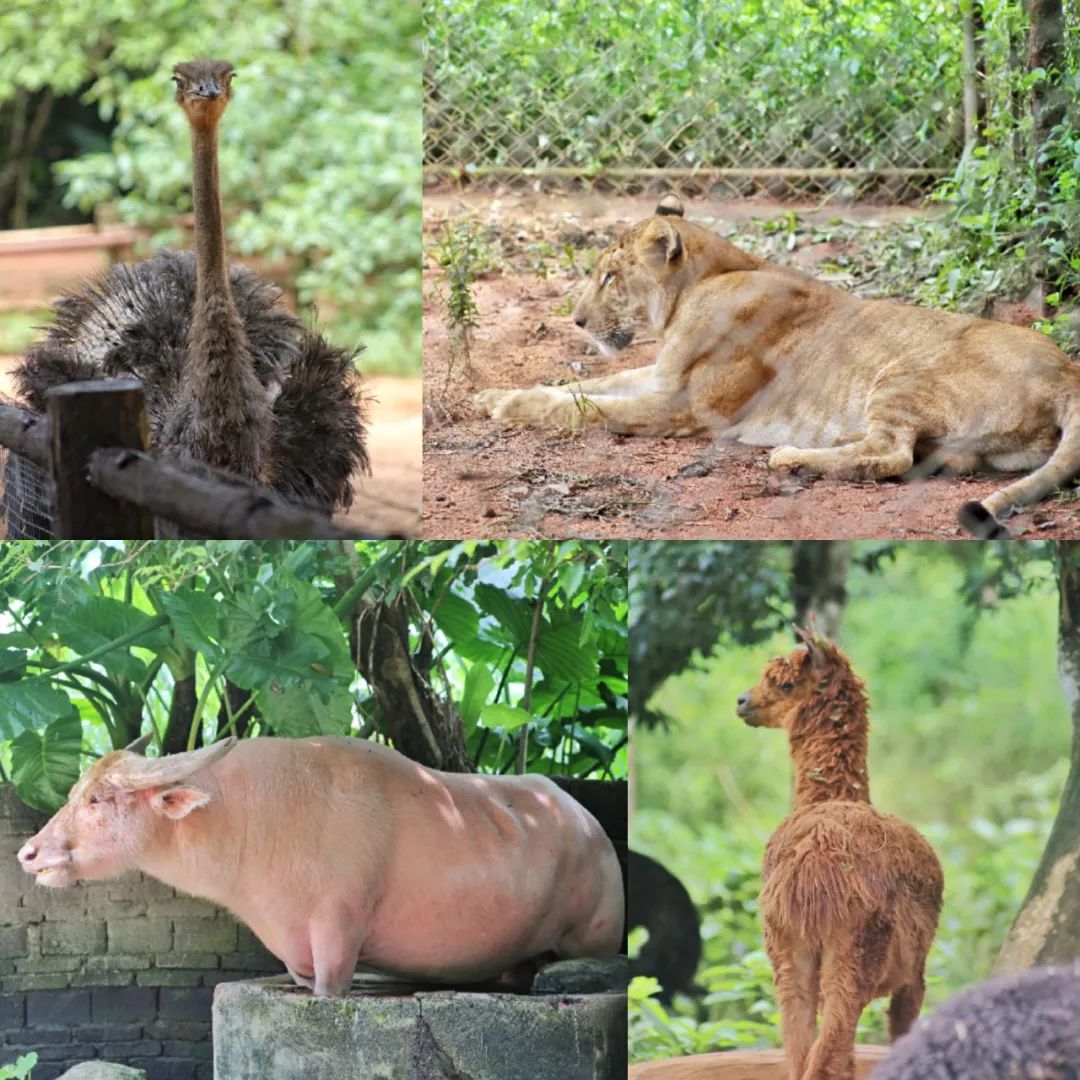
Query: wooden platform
x,y
742,1065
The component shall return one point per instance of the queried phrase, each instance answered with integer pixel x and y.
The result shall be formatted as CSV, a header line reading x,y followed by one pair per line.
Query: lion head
x,y
637,280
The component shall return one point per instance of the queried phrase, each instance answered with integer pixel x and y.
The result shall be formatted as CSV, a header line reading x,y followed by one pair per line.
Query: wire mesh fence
x,y
717,96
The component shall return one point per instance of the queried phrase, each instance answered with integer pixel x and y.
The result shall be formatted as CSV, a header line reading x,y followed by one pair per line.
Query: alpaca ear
x,y
812,643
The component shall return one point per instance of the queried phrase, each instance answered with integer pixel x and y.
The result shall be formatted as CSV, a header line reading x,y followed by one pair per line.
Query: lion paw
x,y
488,401
787,459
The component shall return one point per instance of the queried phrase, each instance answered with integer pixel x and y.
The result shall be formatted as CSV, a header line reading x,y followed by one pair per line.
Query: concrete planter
x,y
265,1028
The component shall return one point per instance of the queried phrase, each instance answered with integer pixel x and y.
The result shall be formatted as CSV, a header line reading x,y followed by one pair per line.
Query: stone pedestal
x,y
387,1031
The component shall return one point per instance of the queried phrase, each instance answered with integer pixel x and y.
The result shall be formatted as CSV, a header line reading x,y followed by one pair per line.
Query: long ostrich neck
x,y
829,754
214,315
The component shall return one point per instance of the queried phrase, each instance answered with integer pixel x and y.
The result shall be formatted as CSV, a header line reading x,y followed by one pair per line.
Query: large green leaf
x,y
506,717
559,654
30,704
195,616
97,620
297,711
312,615
45,765
479,682
513,615
290,658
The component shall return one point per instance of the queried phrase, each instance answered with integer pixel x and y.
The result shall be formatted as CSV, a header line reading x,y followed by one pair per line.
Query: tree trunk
x,y
422,725
819,584
1047,930
974,76
1049,100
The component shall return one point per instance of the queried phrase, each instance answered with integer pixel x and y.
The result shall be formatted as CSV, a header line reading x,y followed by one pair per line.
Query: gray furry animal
x,y
1023,1026
232,379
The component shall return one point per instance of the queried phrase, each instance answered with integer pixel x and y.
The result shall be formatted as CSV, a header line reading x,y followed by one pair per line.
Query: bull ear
x,y
177,802
133,773
670,206
664,239
140,744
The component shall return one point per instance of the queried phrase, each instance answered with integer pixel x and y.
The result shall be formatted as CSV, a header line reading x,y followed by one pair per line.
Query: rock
x,y
586,975
102,1070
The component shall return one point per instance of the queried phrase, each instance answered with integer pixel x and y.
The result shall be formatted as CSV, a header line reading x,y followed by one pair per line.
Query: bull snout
x,y
35,859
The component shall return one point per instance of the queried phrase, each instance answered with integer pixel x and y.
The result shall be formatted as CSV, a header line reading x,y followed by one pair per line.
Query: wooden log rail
x,y
106,486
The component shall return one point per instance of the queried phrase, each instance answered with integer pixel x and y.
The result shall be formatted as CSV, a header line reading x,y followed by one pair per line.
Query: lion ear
x,y
670,206
664,239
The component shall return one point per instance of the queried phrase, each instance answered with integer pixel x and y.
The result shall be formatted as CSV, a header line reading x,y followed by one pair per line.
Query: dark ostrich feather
x,y
134,321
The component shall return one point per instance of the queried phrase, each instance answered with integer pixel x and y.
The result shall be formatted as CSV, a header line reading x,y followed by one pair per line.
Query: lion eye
x,y
606,280
786,688
92,800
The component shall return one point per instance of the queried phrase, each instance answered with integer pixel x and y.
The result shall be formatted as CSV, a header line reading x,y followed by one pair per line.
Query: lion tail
x,y
984,519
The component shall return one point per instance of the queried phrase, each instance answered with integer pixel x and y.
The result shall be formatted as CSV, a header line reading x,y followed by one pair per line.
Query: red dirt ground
x,y
480,480
389,500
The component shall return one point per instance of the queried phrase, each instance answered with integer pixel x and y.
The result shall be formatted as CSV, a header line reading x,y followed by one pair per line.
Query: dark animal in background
x,y
660,903
1024,1026
232,379
851,896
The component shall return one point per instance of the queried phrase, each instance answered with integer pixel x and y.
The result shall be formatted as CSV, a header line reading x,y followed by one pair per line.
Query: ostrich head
x,y
203,89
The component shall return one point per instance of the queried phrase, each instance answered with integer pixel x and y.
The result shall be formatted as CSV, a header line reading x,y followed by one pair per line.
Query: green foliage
x,y
21,1069
686,84
486,599
954,644
462,258
96,636
320,148
1010,209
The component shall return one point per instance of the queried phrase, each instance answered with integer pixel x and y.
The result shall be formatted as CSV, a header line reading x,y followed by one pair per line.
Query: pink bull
x,y
339,851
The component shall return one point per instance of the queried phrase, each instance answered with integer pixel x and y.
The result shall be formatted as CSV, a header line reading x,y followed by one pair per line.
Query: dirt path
x,y
483,481
389,500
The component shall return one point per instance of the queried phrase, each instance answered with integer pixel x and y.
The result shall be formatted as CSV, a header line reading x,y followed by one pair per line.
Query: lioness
x,y
844,387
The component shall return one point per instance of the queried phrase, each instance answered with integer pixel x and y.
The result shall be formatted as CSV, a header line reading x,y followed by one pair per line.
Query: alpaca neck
x,y
830,762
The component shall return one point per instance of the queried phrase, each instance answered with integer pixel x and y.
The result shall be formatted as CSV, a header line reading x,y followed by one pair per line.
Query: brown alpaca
x,y
850,896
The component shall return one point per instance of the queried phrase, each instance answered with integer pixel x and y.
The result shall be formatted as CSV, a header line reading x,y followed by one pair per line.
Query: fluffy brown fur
x,y
851,896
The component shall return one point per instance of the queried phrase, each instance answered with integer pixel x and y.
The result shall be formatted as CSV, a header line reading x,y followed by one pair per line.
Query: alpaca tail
x,y
984,519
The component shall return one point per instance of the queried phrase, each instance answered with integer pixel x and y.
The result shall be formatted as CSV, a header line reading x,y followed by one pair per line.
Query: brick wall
x,y
120,970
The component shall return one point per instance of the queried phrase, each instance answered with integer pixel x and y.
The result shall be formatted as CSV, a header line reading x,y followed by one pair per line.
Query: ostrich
x,y
232,379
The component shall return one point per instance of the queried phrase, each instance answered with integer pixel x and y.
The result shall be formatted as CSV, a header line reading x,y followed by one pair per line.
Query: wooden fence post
x,y
84,417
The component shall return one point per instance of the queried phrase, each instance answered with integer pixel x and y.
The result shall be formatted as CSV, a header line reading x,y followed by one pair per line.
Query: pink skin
x,y
340,851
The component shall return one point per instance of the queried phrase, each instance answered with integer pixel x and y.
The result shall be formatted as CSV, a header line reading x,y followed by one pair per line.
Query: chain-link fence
x,y
718,96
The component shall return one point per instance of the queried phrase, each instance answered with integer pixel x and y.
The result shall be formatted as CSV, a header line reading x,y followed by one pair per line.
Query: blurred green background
x,y
969,741
320,155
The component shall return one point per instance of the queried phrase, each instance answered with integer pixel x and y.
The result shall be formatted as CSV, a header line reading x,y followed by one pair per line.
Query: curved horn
x,y
140,744
134,773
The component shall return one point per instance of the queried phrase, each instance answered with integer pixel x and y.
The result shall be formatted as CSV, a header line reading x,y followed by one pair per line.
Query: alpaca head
x,y
789,682
203,90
